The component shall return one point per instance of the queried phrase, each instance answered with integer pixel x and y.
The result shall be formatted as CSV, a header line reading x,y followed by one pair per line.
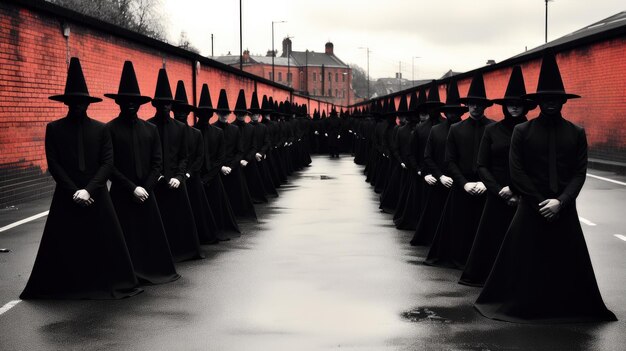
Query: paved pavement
x,y
322,270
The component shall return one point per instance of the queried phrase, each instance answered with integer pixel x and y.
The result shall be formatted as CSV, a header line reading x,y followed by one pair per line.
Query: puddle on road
x,y
424,314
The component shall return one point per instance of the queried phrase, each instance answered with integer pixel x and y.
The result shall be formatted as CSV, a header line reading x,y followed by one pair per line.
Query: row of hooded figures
x,y
494,200
173,187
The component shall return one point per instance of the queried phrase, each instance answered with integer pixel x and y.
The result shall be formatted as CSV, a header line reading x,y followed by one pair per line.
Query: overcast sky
x,y
444,34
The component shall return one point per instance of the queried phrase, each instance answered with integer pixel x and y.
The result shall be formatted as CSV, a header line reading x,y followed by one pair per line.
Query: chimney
x,y
286,47
330,48
246,56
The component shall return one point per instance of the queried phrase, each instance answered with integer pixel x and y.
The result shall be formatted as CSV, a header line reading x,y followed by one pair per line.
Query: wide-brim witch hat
x,y
129,87
515,90
403,106
422,98
333,113
254,104
433,99
205,104
323,114
180,97
265,105
452,99
222,103
413,103
477,92
550,83
163,90
391,108
75,85
277,108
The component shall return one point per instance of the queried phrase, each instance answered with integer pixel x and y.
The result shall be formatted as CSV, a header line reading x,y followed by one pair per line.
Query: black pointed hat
x,y
276,111
391,108
129,88
323,114
421,99
550,82
452,99
75,85
205,103
254,104
163,91
180,98
333,112
433,96
515,90
222,103
413,102
476,91
265,105
403,106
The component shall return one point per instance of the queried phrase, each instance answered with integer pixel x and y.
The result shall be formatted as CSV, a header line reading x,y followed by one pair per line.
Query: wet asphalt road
x,y
322,270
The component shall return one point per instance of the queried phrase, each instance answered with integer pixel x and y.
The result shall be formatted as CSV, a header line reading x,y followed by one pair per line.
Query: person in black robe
x,y
171,190
543,272
429,116
278,174
82,254
377,135
397,174
493,168
436,178
202,213
461,215
231,173
408,162
333,133
390,116
137,166
262,145
213,142
248,160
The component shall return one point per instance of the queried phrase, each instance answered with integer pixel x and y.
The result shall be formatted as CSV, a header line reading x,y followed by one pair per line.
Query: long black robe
x,y
263,145
202,213
278,175
493,168
251,170
235,183
138,162
543,273
436,195
461,215
82,254
213,141
391,193
382,175
176,213
333,129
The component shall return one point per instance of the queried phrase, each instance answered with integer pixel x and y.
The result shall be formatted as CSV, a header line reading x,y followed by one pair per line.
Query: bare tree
x,y
183,42
143,16
359,80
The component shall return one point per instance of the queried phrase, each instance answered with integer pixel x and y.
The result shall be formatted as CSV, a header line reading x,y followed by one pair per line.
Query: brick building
x,y
593,65
322,76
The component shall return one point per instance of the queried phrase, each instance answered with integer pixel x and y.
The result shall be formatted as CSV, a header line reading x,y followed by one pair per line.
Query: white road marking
x,y
25,220
620,236
587,222
606,179
9,306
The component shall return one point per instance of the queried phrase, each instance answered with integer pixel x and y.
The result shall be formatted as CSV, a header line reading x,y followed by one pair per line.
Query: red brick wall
x,y
597,72
33,64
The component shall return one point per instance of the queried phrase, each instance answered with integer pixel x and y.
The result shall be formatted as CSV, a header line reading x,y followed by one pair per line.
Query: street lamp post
x,y
274,52
368,70
413,69
546,35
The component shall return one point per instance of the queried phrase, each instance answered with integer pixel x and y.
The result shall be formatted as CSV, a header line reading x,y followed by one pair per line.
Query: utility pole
x,y
368,70
400,76
413,69
273,51
240,37
546,36
211,44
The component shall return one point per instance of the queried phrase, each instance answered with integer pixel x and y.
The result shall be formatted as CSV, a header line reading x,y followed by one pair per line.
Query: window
x,y
314,92
343,93
315,76
280,76
343,77
289,77
336,92
270,74
336,77
330,76
330,92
